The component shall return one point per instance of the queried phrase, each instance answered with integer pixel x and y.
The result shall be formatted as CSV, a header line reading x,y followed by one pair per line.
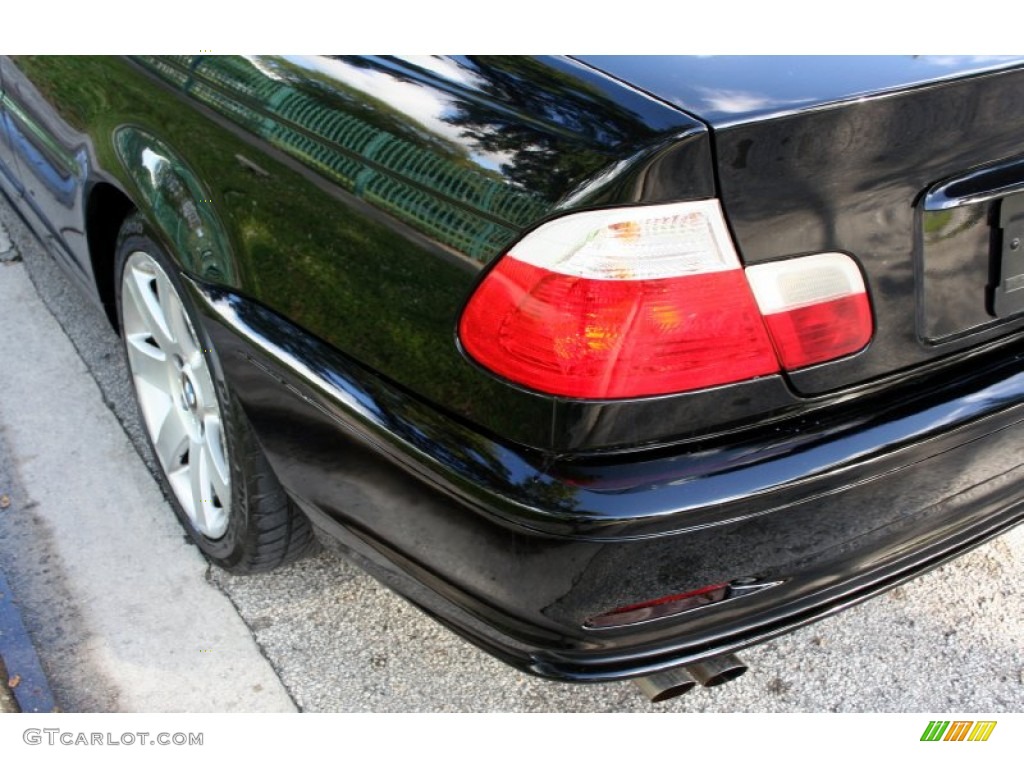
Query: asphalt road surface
x,y
143,634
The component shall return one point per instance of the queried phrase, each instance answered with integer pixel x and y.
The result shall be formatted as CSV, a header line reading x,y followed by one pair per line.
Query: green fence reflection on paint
x,y
459,205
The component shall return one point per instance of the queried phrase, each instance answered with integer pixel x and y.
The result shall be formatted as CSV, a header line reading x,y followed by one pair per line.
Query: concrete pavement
x,y
122,604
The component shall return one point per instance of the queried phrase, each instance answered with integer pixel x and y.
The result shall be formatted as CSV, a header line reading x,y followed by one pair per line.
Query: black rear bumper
x,y
516,550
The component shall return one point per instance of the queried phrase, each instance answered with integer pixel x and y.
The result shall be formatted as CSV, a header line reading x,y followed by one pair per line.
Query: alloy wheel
x,y
176,394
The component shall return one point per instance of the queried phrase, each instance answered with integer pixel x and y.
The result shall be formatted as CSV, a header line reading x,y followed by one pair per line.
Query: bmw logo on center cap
x,y
190,393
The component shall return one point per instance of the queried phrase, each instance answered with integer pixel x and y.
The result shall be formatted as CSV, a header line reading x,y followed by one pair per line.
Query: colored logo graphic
x,y
958,730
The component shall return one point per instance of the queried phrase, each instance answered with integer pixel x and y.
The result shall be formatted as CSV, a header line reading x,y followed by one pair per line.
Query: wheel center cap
x,y
189,392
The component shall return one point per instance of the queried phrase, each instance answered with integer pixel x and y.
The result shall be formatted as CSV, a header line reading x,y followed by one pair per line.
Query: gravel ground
x,y
947,642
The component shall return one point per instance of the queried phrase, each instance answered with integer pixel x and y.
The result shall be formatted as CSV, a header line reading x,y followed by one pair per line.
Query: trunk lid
x,y
724,90
908,164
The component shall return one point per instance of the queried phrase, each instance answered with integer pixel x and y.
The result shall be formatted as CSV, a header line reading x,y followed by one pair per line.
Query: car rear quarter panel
x,y
362,197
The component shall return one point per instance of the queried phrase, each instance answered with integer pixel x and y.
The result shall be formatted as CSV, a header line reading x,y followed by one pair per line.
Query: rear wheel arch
x,y
211,465
180,205
106,209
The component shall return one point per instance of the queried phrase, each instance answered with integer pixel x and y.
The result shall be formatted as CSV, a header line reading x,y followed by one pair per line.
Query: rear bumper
x,y
516,550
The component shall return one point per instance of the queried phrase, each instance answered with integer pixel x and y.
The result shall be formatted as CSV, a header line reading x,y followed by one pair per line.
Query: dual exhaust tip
x,y
669,683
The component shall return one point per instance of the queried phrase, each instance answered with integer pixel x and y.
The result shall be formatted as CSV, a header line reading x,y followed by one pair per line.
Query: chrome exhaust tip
x,y
718,670
667,684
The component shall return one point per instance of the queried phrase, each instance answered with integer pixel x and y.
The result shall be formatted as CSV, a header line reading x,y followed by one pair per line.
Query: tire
x,y
212,468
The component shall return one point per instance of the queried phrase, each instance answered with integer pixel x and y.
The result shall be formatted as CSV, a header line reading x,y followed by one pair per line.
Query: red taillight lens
x,y
587,338
816,307
631,302
821,332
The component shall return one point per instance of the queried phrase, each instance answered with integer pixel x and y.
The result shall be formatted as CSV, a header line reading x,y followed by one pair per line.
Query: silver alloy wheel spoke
x,y
141,285
176,394
198,478
172,440
220,477
181,331
147,361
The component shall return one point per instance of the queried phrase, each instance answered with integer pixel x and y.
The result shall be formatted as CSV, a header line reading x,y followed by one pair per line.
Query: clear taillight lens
x,y
816,307
627,302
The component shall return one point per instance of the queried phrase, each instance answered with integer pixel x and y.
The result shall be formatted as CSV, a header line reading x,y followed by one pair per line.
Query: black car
x,y
614,365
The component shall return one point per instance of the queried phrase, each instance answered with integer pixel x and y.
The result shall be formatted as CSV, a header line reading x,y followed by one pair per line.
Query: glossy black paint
x,y
852,178
516,551
326,189
616,497
724,90
836,154
52,168
333,216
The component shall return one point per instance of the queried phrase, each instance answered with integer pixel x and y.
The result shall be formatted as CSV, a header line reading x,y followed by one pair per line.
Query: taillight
x,y
629,302
816,307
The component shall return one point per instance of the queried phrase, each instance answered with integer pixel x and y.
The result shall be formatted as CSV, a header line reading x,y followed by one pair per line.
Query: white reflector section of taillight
x,y
786,285
620,303
816,307
633,243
